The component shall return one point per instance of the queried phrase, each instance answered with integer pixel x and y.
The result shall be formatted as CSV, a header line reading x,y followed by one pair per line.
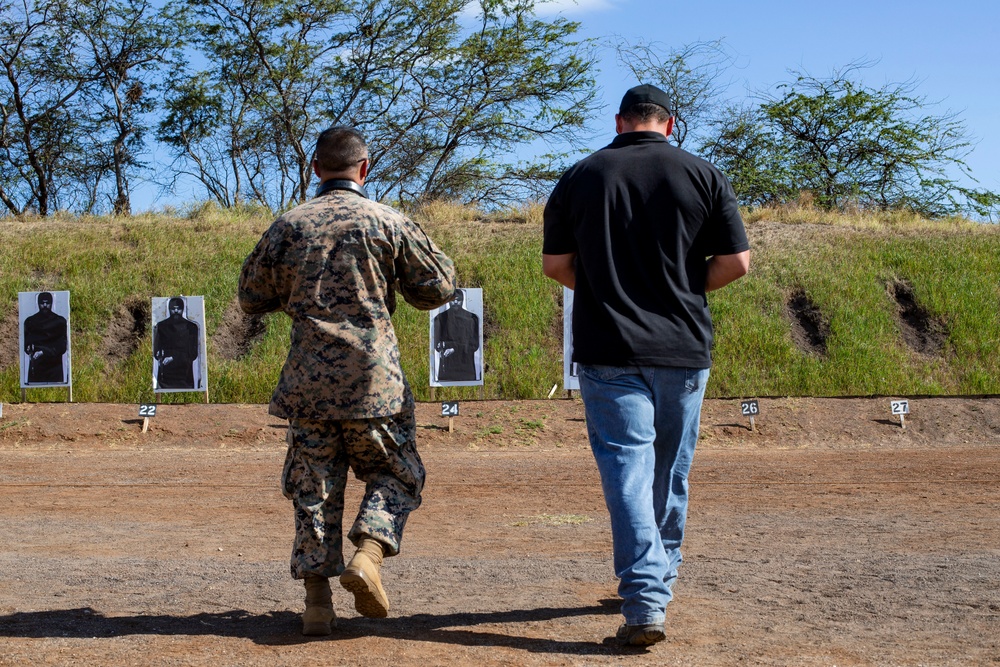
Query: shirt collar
x,y
641,137
341,184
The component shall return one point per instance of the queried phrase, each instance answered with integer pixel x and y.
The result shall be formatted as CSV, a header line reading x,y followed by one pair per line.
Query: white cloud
x,y
571,7
568,8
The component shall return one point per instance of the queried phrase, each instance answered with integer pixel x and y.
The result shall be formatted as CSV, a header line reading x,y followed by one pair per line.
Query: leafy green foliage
x,y
450,94
848,145
754,159
72,96
45,138
126,42
442,107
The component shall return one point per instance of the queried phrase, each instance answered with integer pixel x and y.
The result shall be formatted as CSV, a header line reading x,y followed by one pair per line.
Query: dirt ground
x,y
829,536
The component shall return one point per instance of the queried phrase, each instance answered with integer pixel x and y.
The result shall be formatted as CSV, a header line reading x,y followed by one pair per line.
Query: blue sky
x,y
951,49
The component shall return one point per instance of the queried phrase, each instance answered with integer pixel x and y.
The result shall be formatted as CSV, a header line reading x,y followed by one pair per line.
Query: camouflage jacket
x,y
334,264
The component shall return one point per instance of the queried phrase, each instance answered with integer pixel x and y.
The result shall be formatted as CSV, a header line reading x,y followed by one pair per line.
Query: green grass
x,y
843,265
519,308
106,264
846,273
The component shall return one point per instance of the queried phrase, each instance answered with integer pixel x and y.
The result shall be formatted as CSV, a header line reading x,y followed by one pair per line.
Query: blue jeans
x,y
643,427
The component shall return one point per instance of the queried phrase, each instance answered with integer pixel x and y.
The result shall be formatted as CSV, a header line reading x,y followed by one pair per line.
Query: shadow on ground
x,y
282,628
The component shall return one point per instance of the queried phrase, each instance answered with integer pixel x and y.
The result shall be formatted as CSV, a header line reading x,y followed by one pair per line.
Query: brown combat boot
x,y
362,578
319,618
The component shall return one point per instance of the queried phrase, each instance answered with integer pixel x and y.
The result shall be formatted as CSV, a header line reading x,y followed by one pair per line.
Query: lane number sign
x,y
750,408
147,410
901,407
449,408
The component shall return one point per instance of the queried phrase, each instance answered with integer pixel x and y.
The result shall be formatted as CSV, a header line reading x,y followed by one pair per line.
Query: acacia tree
x,y
126,41
848,143
692,75
45,135
442,106
72,95
742,145
876,146
382,79
512,80
238,124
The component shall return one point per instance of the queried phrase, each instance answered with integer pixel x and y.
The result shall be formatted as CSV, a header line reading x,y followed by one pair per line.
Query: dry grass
x,y
804,211
440,214
554,520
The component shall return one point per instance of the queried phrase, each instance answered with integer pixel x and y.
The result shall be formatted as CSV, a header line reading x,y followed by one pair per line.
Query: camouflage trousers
x,y
382,453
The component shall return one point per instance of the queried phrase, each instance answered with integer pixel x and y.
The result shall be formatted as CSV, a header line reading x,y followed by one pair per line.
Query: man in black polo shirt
x,y
641,230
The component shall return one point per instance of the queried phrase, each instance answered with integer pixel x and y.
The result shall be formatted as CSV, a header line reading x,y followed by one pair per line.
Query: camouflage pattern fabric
x,y
334,264
382,453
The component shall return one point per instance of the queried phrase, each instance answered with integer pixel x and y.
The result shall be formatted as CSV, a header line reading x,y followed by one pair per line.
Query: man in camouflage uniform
x,y
334,265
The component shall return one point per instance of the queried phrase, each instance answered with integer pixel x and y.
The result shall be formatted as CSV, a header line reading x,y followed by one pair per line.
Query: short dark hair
x,y
645,111
339,148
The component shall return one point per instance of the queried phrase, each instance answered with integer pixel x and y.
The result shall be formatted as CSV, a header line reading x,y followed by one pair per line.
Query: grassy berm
x,y
834,305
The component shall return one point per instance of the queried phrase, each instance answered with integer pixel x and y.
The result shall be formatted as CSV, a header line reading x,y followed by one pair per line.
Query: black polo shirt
x,y
643,217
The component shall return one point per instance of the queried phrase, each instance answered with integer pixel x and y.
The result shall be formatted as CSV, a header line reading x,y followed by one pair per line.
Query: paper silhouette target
x,y
571,380
456,335
179,344
44,339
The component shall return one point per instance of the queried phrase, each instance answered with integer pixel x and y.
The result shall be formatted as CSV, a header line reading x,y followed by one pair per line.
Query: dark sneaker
x,y
640,635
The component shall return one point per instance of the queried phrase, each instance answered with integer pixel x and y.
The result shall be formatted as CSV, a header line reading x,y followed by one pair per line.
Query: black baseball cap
x,y
645,94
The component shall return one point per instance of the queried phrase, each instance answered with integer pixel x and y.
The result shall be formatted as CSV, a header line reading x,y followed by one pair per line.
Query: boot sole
x,y
367,601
